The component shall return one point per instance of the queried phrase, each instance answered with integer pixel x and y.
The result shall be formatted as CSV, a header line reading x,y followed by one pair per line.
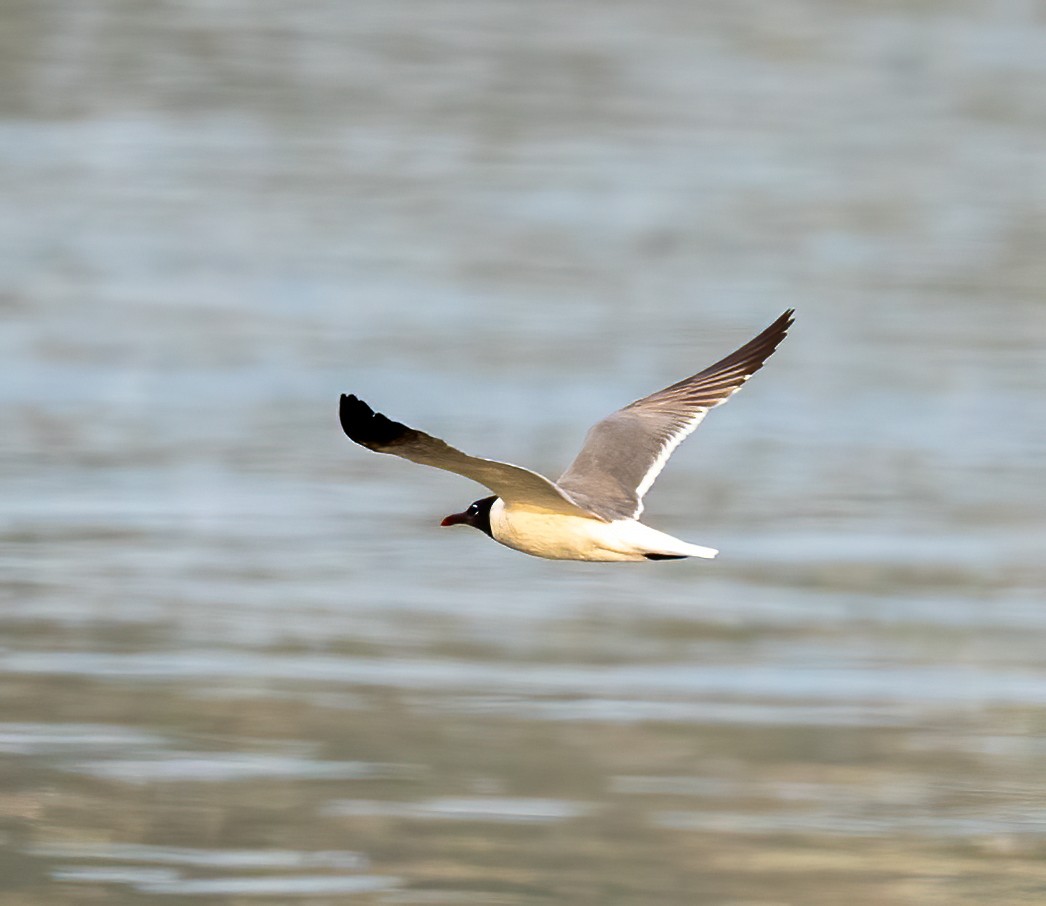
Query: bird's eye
x,y
473,509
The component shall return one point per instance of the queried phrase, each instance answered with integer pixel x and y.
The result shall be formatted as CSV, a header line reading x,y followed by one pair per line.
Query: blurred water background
x,y
240,663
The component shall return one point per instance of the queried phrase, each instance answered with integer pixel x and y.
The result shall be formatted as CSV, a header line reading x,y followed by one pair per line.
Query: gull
x,y
591,512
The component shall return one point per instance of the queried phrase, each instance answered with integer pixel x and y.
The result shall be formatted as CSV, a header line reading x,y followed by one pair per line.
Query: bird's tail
x,y
646,541
674,547
696,550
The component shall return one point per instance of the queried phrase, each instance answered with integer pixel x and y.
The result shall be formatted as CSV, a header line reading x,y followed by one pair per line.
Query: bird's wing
x,y
626,451
513,484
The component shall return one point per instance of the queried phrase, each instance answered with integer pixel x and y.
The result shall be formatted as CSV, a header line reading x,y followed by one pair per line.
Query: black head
x,y
477,515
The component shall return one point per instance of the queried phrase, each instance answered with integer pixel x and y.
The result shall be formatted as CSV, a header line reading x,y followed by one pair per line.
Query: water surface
x,y
240,662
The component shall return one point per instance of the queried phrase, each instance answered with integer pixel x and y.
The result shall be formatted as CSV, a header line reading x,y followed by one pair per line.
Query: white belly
x,y
560,537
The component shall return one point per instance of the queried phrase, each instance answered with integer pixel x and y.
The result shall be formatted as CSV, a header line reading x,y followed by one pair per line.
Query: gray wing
x,y
513,484
626,451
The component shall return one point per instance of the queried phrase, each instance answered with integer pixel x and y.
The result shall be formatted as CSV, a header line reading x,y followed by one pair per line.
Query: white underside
x,y
561,537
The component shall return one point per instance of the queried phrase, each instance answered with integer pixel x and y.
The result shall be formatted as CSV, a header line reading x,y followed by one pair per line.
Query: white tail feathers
x,y
695,550
648,540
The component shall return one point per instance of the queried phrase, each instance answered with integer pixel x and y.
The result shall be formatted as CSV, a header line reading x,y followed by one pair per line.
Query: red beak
x,y
455,519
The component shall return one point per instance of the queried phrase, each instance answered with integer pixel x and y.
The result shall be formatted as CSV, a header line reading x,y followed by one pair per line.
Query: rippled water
x,y
241,663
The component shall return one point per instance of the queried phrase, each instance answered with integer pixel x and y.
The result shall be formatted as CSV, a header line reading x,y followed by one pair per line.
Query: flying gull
x,y
592,511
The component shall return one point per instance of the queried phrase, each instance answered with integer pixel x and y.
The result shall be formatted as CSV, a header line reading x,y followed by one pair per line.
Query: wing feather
x,y
625,452
513,484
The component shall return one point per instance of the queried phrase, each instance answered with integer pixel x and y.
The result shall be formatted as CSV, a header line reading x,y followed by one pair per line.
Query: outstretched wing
x,y
513,484
626,451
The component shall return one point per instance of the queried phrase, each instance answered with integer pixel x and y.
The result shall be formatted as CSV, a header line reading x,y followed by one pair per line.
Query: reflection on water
x,y
169,883
239,660
145,879
226,766
206,858
495,809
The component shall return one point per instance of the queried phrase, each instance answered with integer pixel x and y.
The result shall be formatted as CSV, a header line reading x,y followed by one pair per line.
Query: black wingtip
x,y
365,426
780,327
757,351
782,324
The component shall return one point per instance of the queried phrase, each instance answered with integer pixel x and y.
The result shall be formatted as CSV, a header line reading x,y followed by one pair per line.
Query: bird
x,y
591,512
